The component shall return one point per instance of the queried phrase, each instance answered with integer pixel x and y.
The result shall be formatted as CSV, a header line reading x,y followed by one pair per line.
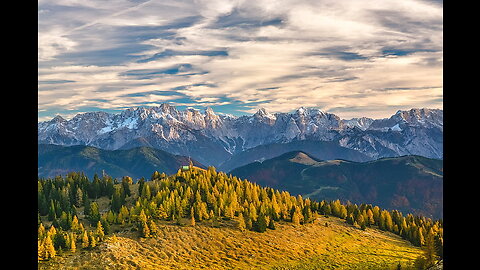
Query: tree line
x,y
197,195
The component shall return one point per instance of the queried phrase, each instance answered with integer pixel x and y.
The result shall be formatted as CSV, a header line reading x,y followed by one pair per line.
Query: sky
x,y
348,57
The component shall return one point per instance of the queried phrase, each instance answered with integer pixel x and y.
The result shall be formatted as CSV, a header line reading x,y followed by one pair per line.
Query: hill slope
x,y
206,247
136,162
322,149
204,219
409,183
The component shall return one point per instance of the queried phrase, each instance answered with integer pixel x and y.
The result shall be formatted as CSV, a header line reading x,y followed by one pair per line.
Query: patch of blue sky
x,y
47,115
244,20
155,92
184,87
403,52
148,72
105,57
340,52
168,53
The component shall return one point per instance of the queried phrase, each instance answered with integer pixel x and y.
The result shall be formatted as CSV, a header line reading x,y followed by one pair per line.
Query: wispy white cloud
x,y
343,56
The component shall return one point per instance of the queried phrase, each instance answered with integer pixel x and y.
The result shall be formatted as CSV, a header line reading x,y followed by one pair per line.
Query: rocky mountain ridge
x,y
213,138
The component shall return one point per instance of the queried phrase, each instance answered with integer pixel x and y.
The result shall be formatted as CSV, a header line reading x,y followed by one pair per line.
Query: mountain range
x,y
412,184
218,139
136,162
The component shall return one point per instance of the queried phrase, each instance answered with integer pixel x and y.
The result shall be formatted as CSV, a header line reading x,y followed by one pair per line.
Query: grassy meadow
x,y
222,246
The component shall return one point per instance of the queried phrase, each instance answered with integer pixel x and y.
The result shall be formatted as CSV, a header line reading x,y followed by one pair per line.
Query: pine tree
x,y
261,224
114,238
85,240
350,219
361,222
192,217
43,206
142,217
153,228
429,249
241,222
41,249
388,221
420,240
92,239
79,197
117,200
370,220
271,224
75,226
99,232
41,231
126,182
73,246
146,192
94,215
141,183
438,242
248,223
48,248
296,216
51,211
145,231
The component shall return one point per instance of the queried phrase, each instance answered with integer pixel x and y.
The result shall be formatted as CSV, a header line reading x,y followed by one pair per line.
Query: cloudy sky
x,y
348,57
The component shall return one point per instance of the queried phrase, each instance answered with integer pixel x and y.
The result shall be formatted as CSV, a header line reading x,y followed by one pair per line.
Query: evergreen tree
x,y
41,249
438,242
141,184
144,230
153,228
248,223
271,224
361,222
118,200
94,215
78,197
99,232
51,211
420,238
85,240
370,220
73,246
75,226
92,239
429,249
388,220
146,193
350,219
41,231
114,238
126,182
296,216
241,222
192,217
260,225
48,248
43,206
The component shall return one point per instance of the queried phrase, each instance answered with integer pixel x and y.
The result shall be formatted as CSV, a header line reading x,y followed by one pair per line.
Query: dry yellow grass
x,y
311,246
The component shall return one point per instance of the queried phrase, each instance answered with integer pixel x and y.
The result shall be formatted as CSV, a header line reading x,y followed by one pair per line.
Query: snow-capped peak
x,y
167,128
262,113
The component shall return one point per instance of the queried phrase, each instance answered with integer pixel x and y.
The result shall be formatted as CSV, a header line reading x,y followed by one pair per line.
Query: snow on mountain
x,y
362,123
210,138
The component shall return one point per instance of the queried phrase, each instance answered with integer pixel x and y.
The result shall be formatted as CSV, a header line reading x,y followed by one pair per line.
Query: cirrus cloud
x,y
236,56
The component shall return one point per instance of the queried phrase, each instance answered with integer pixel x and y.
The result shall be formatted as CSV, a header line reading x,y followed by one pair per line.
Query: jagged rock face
x,y
211,138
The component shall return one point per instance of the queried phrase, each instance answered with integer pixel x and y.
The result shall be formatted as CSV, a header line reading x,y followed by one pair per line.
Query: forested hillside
x,y
411,184
136,162
76,213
